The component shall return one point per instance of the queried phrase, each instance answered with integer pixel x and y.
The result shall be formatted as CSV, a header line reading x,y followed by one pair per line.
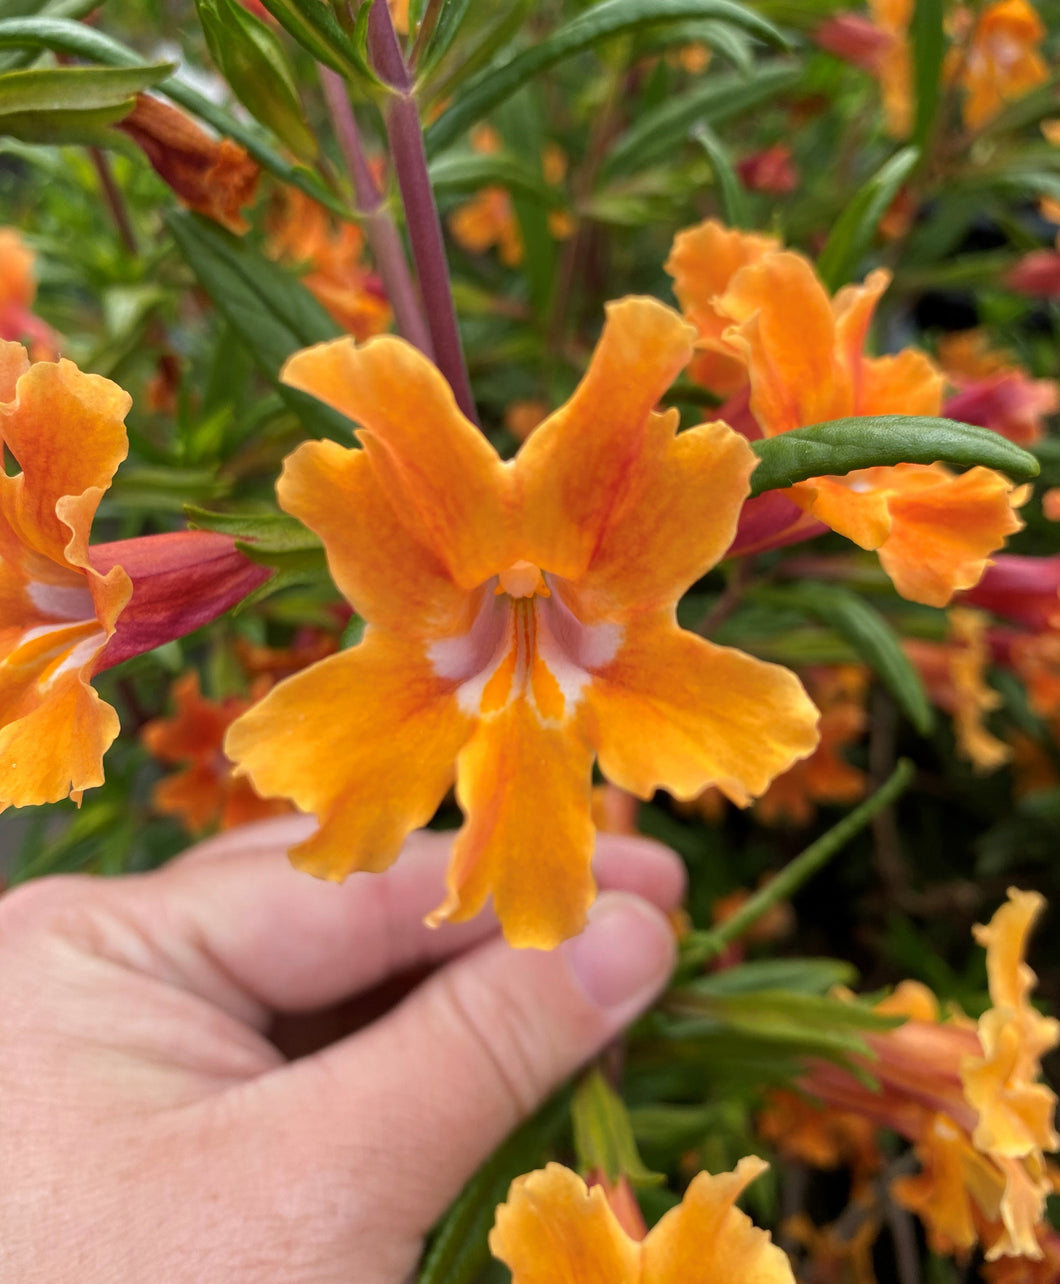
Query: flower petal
x,y
66,431
582,462
674,711
14,362
442,478
55,748
944,528
675,520
702,262
388,575
366,740
707,1239
553,1230
786,333
515,770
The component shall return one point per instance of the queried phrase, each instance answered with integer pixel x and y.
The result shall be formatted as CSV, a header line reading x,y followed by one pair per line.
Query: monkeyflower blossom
x,y
969,1098
68,609
18,289
553,1227
804,362
1001,61
520,620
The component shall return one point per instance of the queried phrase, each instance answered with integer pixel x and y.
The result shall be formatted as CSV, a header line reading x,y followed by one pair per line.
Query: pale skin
x,y
151,1130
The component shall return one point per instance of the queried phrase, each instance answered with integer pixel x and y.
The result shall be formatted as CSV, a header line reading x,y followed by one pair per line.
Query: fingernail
x,y
626,953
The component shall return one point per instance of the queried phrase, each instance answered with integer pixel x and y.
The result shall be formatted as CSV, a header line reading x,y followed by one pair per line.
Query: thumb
x,y
426,1093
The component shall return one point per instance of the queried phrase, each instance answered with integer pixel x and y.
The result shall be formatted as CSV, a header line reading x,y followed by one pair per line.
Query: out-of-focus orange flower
x,y
205,792
968,1096
520,620
834,1256
213,177
555,1228
954,674
303,233
1022,1270
774,925
822,1138
933,531
1051,503
894,64
18,289
825,776
992,391
1036,658
522,417
771,170
702,262
1001,61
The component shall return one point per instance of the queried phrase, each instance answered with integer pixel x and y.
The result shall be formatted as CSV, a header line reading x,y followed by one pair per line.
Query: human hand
x,y
153,1132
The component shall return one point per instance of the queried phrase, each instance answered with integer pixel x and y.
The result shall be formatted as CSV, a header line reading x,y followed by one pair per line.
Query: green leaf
x,y
603,1135
313,25
458,1251
866,630
929,51
730,191
856,226
807,976
451,14
71,104
273,314
611,18
252,60
868,441
718,98
64,36
268,531
463,172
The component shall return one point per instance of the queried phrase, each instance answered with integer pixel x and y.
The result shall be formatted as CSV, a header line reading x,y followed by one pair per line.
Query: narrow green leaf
x,y
718,98
929,51
867,441
730,191
807,976
59,128
269,531
273,314
464,172
458,1251
603,1135
866,630
451,13
70,89
62,35
611,18
313,25
856,226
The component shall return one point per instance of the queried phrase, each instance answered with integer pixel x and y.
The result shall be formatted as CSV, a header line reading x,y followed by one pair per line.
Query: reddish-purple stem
x,y
421,213
379,229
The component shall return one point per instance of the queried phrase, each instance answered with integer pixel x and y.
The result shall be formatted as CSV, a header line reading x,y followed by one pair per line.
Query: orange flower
x,y
1001,61
213,177
825,776
205,792
520,620
303,233
60,600
555,1228
703,260
969,1098
993,392
17,292
895,67
804,355
953,673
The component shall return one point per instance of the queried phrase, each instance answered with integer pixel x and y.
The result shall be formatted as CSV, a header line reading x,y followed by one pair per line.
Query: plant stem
x,y
700,947
421,213
379,229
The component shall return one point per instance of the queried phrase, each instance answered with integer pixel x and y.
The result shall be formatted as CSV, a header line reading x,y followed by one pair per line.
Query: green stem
x,y
699,948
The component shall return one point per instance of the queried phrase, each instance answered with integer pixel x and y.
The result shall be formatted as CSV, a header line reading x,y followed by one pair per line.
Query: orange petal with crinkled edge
x,y
366,740
675,520
444,481
707,1239
674,711
953,1175
856,505
55,749
944,528
853,308
555,1230
66,432
388,575
1015,1113
1005,940
907,383
581,464
702,262
785,330
14,362
516,769
1022,1209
